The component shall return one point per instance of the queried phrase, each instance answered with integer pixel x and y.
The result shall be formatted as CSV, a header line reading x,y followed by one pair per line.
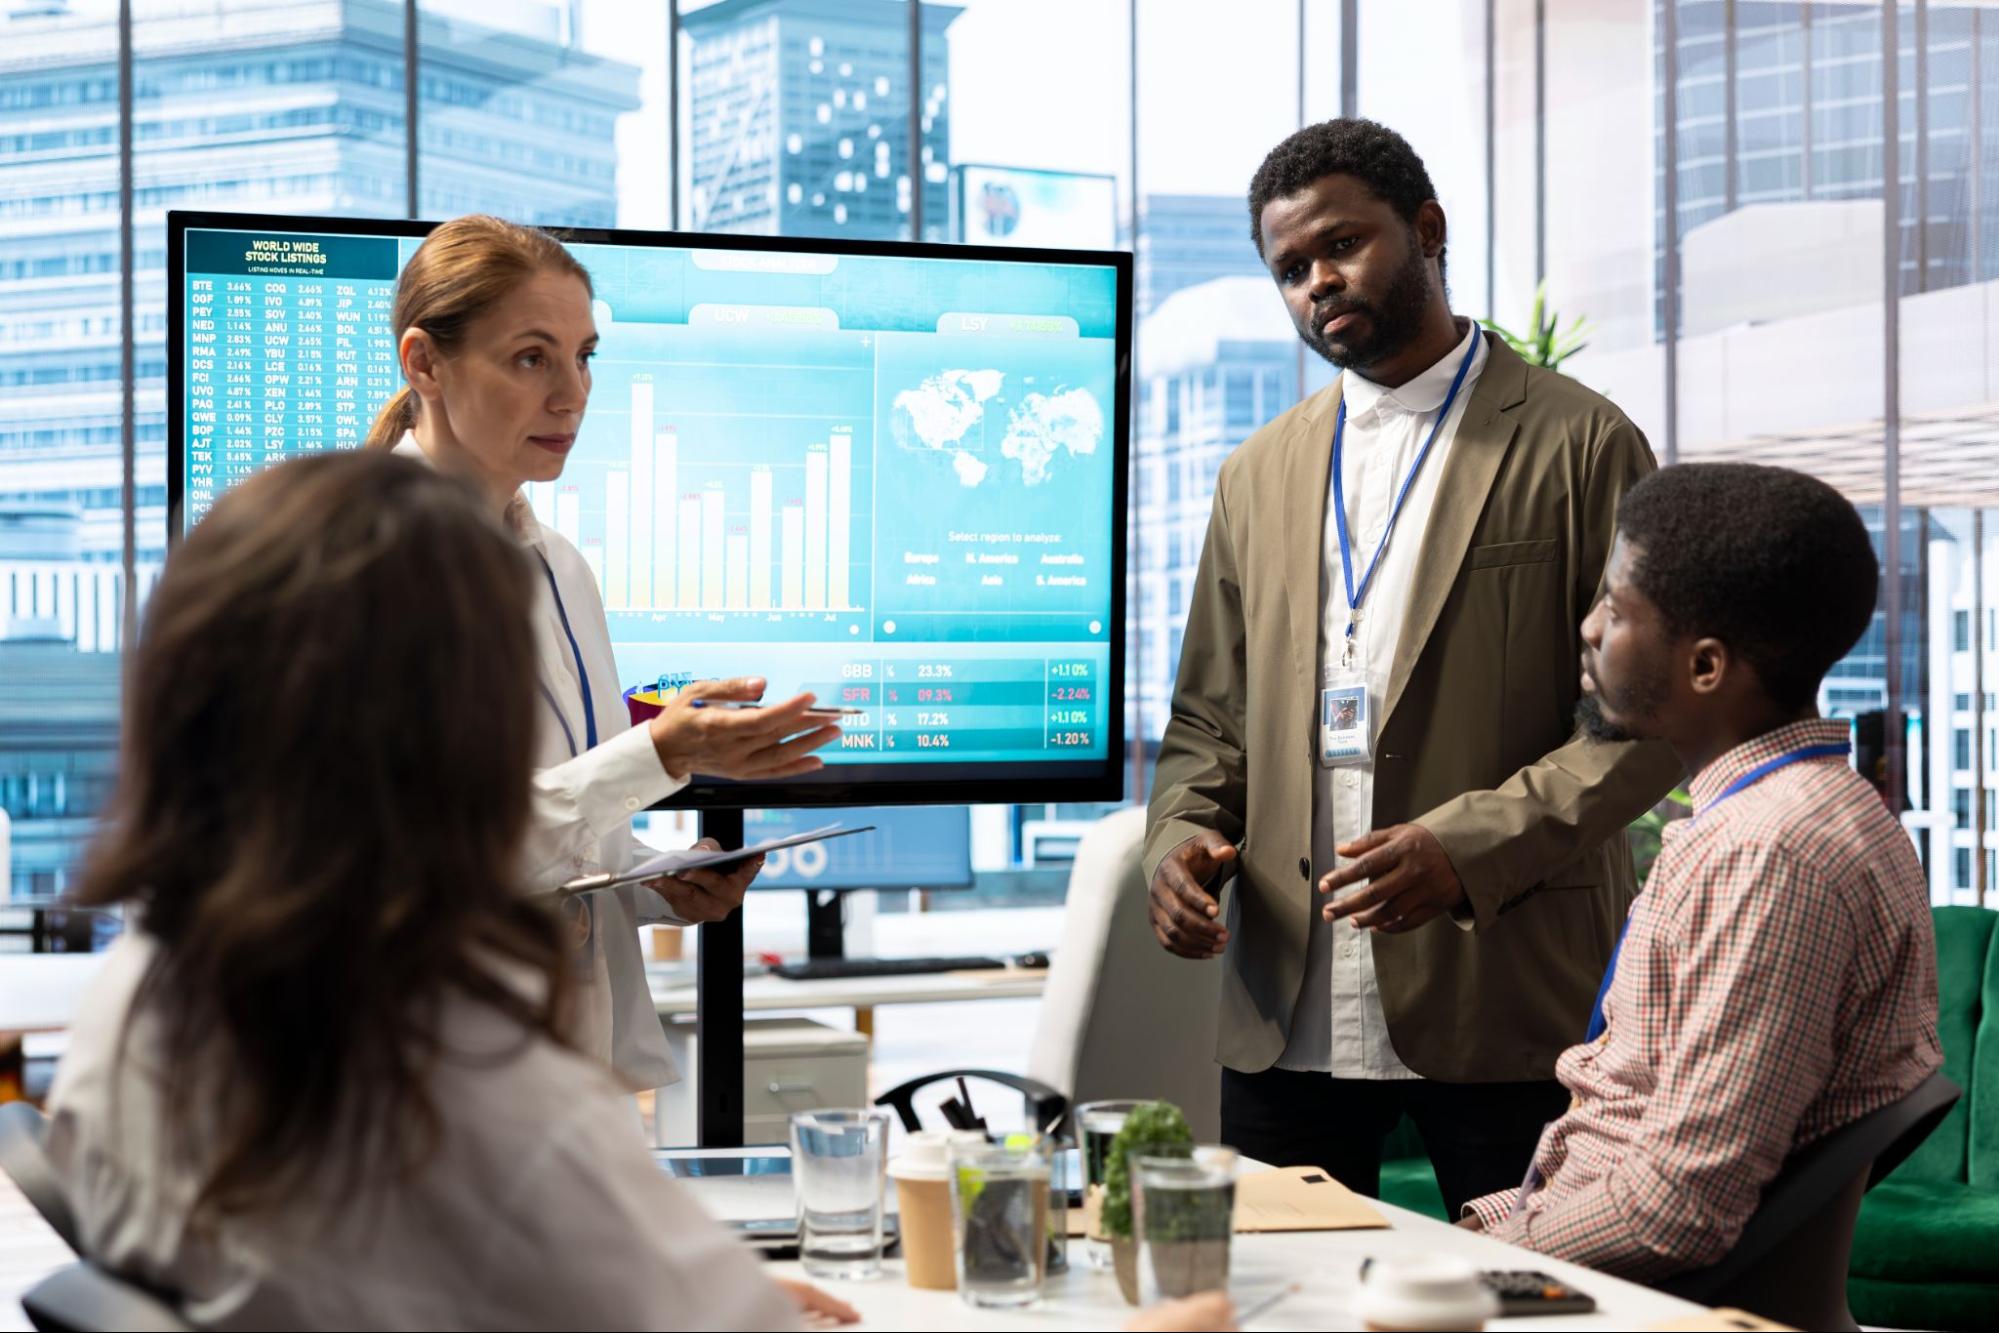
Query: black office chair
x,y
1045,1106
22,1158
83,1298
1790,1263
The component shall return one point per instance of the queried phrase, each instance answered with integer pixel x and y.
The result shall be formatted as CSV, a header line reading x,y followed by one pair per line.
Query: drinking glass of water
x,y
1097,1123
999,1220
1183,1208
839,1161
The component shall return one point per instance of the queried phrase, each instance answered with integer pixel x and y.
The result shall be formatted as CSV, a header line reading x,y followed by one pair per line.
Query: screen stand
x,y
825,923
718,1012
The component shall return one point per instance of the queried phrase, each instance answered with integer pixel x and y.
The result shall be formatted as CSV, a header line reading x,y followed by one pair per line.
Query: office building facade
x,y
798,118
1188,239
1802,121
1216,360
254,105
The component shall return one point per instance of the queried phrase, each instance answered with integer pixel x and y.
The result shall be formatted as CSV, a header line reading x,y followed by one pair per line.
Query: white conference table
x,y
1325,1263
42,992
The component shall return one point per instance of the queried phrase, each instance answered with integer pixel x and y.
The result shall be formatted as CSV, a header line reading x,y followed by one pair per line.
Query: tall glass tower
x,y
799,121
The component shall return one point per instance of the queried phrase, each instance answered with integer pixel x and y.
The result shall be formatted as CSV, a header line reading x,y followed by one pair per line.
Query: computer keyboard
x,y
831,969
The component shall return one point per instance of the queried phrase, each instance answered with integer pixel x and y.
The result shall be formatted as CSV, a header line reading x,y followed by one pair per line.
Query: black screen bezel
x,y
928,784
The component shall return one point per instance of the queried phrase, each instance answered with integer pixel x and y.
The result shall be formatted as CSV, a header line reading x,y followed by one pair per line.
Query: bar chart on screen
x,y
697,509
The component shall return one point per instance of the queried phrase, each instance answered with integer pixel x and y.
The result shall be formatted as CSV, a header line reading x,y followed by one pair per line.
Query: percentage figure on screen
x,y
933,695
1072,694
1067,739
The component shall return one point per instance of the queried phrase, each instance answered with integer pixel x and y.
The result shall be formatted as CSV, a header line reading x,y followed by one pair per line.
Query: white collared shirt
x,y
584,801
1345,1034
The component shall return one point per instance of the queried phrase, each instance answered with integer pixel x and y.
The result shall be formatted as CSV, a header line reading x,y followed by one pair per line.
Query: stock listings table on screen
x,y
888,480
967,705
288,350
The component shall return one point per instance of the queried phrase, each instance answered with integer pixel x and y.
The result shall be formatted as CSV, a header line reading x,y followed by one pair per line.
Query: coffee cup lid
x,y
925,1154
1417,1291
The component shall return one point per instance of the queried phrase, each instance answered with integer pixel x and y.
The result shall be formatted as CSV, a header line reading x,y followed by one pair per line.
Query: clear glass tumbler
x,y
839,1161
1097,1123
1183,1215
999,1221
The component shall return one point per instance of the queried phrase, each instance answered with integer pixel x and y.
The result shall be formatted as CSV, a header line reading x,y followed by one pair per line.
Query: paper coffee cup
x,y
922,1176
1425,1294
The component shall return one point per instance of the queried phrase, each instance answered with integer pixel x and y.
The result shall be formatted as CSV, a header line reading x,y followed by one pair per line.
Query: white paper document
x,y
701,858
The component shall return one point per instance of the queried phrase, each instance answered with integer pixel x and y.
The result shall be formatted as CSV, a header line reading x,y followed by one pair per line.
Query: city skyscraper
x,y
1803,123
1963,628
257,105
1216,360
1192,238
799,118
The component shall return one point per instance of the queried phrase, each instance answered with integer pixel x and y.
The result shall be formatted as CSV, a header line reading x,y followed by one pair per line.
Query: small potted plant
x,y
1152,1128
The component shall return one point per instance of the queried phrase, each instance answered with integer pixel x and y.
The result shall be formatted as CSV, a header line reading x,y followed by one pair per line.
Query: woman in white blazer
x,y
494,329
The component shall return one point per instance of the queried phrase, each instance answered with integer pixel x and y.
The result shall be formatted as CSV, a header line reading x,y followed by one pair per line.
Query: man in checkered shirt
x,y
1777,978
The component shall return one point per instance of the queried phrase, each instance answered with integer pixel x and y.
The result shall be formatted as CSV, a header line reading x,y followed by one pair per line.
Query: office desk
x,y
41,992
1326,1263
673,998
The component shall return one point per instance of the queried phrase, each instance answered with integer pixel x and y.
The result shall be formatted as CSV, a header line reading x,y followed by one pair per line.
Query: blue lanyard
x,y
1355,596
1749,779
582,675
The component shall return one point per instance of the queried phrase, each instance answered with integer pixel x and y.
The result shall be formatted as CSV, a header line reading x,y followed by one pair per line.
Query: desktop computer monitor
x,y
928,848
892,474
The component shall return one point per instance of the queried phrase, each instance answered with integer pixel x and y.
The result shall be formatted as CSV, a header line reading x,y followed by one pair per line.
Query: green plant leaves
x,y
1546,344
1150,1128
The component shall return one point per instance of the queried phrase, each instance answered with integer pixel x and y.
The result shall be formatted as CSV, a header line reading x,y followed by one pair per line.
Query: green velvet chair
x,y
1407,1179
1926,1250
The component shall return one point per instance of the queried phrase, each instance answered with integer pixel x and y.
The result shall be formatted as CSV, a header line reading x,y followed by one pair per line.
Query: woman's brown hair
x,y
463,269
324,781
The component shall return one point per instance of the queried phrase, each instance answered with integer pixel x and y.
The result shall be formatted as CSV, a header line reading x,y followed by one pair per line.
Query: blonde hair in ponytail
x,y
463,269
394,419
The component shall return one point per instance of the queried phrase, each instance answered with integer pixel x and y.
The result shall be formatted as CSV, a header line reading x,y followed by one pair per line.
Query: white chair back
x,y
1121,1017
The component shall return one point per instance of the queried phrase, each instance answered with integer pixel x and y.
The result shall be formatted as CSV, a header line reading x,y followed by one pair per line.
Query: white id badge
x,y
1346,730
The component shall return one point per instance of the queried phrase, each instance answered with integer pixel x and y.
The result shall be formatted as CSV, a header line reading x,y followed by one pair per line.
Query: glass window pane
x,y
259,106
1949,449
795,117
1781,350
1401,47
1949,439
1208,313
1049,168
61,454
1046,169
542,111
1601,181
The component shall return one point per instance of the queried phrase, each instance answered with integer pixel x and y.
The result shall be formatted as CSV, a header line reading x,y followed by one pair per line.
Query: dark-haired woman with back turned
x,y
325,1079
